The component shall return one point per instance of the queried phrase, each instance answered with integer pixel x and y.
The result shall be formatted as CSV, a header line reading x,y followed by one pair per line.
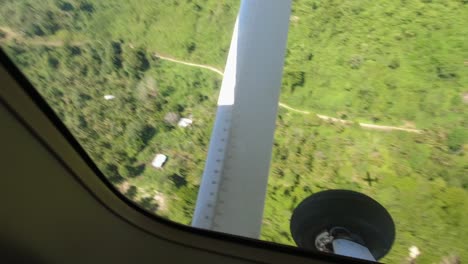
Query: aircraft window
x,y
120,76
374,99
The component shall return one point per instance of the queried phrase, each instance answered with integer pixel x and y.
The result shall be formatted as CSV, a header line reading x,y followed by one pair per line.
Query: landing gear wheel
x,y
356,215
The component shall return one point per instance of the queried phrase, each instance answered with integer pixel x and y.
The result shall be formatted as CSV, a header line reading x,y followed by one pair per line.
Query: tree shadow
x,y
88,7
115,178
136,170
149,204
131,192
179,181
148,133
112,174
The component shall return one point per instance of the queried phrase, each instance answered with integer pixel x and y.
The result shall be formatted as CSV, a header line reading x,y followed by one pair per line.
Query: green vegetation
x,y
387,62
198,30
123,135
418,179
401,63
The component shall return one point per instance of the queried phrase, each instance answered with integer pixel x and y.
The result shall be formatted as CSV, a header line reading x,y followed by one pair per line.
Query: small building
x,y
109,97
185,122
159,160
414,252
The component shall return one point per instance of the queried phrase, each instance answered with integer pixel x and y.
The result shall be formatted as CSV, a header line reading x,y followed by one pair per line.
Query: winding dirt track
x,y
285,106
11,35
207,67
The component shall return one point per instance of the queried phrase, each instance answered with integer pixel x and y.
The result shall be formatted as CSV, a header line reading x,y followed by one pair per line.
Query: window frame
x,y
24,101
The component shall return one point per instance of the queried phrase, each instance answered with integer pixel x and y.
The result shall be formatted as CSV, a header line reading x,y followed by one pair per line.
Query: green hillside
x,y
390,63
387,62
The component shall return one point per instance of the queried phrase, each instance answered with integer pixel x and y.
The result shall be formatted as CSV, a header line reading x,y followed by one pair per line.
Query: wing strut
x,y
232,192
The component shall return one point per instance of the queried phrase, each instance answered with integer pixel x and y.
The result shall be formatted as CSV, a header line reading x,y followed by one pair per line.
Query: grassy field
x,y
390,62
400,63
199,30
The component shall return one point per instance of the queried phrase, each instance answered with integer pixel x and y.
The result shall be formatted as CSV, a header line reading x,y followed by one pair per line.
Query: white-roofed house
x,y
185,122
159,161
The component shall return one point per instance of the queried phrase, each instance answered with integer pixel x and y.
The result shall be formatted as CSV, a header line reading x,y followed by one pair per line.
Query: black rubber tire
x,y
355,211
